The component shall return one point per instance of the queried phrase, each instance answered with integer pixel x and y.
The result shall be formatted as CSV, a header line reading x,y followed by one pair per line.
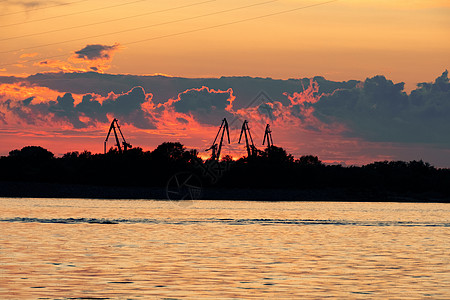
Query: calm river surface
x,y
133,249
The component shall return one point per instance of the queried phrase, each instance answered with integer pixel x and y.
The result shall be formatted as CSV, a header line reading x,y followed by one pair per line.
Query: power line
x,y
40,8
108,21
229,23
142,27
196,30
72,14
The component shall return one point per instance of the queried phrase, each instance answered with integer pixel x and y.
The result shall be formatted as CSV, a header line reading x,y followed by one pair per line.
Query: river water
x,y
140,249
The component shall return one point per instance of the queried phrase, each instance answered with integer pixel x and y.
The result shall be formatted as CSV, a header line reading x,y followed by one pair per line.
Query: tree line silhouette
x,y
271,168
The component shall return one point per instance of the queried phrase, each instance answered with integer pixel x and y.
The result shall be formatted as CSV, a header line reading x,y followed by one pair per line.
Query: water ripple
x,y
226,221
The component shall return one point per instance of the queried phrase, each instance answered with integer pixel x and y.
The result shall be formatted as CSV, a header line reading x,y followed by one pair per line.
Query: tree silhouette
x,y
276,154
309,160
227,158
169,151
272,168
71,155
36,153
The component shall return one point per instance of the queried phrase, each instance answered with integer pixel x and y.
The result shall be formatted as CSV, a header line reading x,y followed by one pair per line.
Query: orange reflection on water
x,y
222,249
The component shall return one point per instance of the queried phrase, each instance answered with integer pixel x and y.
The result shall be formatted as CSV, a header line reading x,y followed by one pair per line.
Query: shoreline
x,y
59,190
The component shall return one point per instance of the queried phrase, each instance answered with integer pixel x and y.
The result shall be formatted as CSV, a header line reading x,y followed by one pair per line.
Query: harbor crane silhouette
x,y
114,125
268,136
251,149
216,148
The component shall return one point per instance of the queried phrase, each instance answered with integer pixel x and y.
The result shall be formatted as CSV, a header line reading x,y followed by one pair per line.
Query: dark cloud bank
x,y
380,110
375,110
127,107
163,88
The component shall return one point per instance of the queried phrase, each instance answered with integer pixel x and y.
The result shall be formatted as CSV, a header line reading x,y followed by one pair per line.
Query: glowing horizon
x,y
405,41
64,122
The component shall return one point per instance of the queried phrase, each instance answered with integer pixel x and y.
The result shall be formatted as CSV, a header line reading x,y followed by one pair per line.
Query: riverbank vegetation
x,y
273,169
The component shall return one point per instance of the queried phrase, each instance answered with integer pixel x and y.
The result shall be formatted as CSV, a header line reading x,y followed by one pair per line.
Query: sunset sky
x,y
403,41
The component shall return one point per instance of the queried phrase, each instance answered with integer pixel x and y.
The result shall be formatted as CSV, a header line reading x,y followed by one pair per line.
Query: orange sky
x,y
348,39
341,40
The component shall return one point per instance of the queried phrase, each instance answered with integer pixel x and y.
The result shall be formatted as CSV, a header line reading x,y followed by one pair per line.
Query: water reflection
x,y
74,248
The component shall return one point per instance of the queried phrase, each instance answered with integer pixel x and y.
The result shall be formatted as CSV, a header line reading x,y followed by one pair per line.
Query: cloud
x,y
91,110
380,110
129,107
31,4
374,110
28,55
245,89
96,56
59,65
207,106
297,114
96,52
270,110
351,121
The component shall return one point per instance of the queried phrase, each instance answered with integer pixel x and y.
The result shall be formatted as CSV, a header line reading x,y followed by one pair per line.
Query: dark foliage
x,y
31,153
272,168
